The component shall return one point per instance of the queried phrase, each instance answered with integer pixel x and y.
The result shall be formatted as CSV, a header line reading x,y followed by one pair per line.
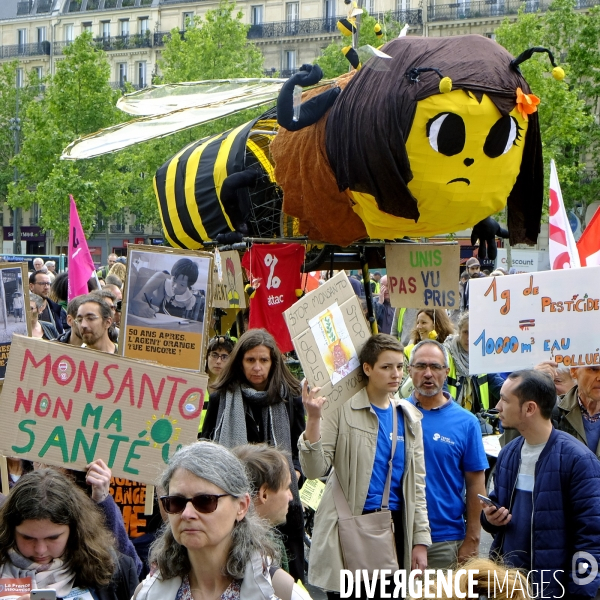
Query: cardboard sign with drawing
x,y
328,331
228,281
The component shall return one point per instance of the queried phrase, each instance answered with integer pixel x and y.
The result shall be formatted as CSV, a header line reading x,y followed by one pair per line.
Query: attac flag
x,y
274,270
81,265
563,251
589,243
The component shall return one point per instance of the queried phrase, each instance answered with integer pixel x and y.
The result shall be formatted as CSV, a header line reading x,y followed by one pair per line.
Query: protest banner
x,y
518,321
165,306
228,281
328,330
132,498
68,406
423,275
15,316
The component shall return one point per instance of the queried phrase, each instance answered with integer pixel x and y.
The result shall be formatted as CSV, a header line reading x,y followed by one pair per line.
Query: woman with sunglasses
x,y
257,400
51,532
214,546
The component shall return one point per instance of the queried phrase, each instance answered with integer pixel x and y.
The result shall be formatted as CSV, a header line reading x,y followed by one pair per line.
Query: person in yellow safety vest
x,y
430,324
473,392
375,285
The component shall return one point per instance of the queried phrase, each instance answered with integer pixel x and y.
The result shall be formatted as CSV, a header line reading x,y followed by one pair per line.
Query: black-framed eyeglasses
x,y
216,356
203,503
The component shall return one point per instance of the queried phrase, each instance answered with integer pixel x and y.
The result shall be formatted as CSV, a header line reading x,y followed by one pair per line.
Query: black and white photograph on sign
x,y
167,291
13,316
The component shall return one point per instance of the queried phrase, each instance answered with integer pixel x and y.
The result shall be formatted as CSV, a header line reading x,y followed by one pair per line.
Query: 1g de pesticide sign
x,y
518,321
70,409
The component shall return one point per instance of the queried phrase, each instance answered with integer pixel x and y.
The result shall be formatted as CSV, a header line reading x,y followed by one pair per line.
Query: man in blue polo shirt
x,y
454,460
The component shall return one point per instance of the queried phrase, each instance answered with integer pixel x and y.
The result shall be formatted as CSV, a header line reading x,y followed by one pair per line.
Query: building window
x,y
124,27
122,68
292,11
188,18
34,214
144,26
86,26
256,15
142,74
39,71
105,29
69,37
41,34
289,59
21,39
19,77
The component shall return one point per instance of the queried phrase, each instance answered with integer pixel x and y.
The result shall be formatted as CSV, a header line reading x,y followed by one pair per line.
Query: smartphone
x,y
42,594
488,501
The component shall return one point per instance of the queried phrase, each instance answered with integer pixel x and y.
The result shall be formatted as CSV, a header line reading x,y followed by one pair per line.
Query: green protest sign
x,y
68,406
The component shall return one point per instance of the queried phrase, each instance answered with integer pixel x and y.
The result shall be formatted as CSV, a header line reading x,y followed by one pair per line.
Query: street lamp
x,y
15,127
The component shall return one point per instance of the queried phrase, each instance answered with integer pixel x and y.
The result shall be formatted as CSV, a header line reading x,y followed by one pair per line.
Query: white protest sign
x,y
518,321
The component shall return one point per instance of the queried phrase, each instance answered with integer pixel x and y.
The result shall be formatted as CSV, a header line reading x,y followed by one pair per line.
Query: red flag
x,y
588,245
81,265
274,270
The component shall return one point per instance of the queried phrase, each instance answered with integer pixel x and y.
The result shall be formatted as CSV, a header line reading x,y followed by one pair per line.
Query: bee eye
x,y
446,133
502,137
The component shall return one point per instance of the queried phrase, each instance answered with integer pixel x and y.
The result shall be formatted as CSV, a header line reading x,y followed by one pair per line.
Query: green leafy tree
x,y
78,101
332,60
567,109
215,47
9,97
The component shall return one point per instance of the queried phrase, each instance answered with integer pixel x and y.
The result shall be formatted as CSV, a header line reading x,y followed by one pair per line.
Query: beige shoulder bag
x,y
368,540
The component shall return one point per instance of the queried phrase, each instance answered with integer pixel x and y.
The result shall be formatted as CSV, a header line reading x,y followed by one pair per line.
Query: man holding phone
x,y
547,487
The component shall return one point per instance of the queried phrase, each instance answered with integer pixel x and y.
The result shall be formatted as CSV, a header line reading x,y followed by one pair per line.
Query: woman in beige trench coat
x,y
347,439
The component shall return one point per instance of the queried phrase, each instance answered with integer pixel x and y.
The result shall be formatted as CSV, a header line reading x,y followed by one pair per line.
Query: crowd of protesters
x,y
231,522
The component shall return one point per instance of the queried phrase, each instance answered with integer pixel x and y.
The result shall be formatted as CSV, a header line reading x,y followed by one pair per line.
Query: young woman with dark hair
x,y
257,400
53,533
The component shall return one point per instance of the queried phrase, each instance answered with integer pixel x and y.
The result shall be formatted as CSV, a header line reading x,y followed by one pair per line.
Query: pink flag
x,y
81,265
563,251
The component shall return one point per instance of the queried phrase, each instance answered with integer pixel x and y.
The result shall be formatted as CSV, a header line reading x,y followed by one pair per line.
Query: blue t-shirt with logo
x,y
383,452
453,446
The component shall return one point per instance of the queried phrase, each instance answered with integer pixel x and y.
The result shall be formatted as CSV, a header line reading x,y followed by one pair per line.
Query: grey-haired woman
x,y
214,546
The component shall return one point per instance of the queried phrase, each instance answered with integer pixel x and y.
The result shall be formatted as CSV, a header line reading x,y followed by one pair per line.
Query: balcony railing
x,y
15,50
124,42
296,27
138,229
117,228
485,8
78,5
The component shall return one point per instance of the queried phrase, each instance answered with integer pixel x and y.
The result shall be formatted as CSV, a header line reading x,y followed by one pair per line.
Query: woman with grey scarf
x,y
257,400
